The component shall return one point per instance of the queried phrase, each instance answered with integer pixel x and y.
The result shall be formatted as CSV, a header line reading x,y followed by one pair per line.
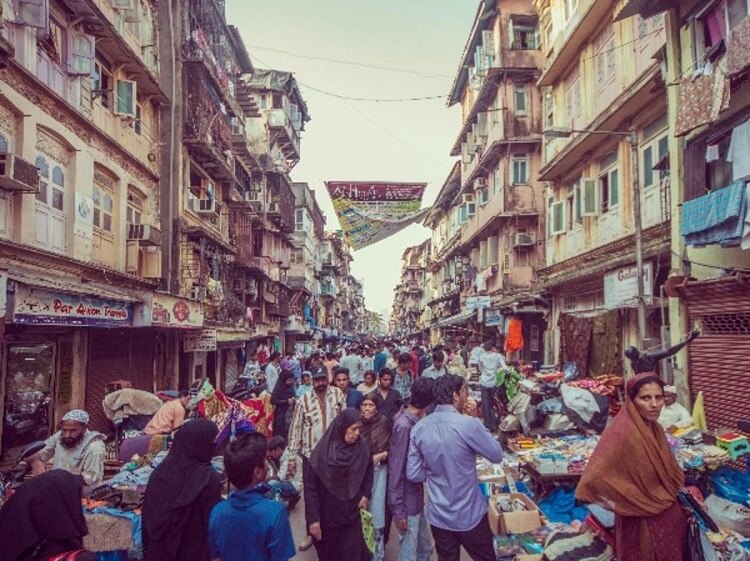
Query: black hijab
x,y
177,483
340,466
46,508
282,392
376,431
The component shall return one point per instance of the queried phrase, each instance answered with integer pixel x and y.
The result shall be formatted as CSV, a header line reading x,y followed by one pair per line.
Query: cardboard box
x,y
494,475
514,522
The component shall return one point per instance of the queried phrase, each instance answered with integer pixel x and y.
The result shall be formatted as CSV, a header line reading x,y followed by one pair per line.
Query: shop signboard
x,y
477,302
204,340
621,287
493,318
168,311
34,306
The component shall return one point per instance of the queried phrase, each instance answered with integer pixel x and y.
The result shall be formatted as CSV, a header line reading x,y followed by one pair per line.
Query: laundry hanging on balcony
x,y
716,218
370,212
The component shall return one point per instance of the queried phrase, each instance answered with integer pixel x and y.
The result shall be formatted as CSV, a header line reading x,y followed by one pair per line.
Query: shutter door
x,y
115,354
719,357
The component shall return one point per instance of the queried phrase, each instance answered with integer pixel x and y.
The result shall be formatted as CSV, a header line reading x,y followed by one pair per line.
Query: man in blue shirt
x,y
247,525
343,382
442,452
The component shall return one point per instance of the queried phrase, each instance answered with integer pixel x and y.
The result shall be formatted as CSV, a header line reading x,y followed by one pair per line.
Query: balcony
x,y
281,209
284,134
17,175
300,283
207,131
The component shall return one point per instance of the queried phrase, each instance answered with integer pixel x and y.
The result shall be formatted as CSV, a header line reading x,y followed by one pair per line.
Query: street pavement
x,y
297,520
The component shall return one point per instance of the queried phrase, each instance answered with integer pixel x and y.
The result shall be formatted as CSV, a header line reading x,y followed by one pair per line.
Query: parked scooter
x,y
13,478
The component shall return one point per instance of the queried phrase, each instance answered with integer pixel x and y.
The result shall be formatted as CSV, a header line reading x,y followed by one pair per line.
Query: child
x,y
306,386
247,525
289,492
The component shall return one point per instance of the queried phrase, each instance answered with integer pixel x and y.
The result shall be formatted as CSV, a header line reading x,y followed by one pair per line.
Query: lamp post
x,y
632,136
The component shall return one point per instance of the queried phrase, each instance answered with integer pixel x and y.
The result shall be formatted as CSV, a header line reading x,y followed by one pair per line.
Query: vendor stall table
x,y
108,533
546,482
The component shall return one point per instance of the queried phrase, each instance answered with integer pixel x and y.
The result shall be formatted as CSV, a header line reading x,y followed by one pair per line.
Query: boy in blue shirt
x,y
247,526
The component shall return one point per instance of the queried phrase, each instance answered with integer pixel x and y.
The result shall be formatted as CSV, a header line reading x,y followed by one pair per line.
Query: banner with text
x,y
370,212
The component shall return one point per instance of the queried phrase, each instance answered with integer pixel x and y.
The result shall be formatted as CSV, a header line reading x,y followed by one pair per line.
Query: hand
x,y
694,334
316,532
291,468
291,401
364,502
401,525
470,408
37,467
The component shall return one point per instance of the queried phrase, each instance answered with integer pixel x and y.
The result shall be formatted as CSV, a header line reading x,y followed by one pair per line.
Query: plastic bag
x,y
368,530
732,485
560,506
728,514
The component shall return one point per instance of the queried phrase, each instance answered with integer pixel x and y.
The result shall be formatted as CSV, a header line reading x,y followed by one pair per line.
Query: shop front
x,y
45,356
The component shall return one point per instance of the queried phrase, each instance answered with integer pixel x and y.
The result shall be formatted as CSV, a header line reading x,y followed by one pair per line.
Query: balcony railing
x,y
279,120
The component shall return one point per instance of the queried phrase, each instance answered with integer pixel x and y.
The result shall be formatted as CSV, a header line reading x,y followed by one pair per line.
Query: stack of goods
x,y
696,450
136,473
572,450
607,385
230,415
517,523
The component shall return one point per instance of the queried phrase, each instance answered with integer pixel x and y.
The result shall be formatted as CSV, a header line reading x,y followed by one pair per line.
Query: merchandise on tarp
x,y
230,415
588,411
731,484
560,506
577,546
728,514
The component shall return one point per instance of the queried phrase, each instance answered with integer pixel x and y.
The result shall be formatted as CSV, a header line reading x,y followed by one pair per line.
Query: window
x,y
299,220
605,59
548,34
297,257
609,181
570,9
103,208
81,53
134,212
137,124
496,109
263,101
103,83
277,101
126,103
519,169
484,195
573,98
523,37
549,109
497,179
520,99
557,218
50,207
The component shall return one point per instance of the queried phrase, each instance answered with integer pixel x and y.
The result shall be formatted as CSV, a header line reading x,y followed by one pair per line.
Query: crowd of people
x,y
359,433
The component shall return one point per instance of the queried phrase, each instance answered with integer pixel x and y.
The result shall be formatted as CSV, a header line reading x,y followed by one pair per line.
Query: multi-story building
x,y
490,237
305,267
80,220
606,134
335,296
409,295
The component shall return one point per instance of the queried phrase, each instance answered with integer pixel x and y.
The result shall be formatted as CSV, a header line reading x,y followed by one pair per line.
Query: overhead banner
x,y
370,212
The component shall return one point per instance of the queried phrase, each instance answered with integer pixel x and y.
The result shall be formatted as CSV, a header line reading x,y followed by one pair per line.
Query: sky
x,y
364,140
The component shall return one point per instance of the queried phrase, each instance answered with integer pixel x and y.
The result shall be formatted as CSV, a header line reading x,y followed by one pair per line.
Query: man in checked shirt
x,y
313,414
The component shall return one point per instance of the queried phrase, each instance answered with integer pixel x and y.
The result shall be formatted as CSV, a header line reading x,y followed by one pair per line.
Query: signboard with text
x,y
621,287
200,341
477,302
168,311
494,318
34,306
372,211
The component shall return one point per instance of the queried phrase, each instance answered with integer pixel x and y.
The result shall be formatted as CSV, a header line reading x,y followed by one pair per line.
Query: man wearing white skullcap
x,y
674,416
73,448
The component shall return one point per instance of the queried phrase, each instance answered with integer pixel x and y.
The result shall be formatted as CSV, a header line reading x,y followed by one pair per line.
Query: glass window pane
x,y
97,217
58,176
137,217
3,145
41,196
648,167
97,196
41,163
57,199
108,203
614,188
107,222
129,215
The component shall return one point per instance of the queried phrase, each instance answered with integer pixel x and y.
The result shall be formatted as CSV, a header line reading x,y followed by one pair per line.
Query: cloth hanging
x,y
738,48
712,153
692,109
716,218
514,335
606,344
575,341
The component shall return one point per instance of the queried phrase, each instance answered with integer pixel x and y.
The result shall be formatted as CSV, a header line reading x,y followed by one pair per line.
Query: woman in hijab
x,y
282,400
338,484
180,495
376,432
633,473
43,520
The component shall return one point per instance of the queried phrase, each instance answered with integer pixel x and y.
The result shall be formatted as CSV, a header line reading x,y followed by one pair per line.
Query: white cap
x,y
670,389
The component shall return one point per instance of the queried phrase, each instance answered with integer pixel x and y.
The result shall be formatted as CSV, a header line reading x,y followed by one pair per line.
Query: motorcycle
x,y
13,478
248,388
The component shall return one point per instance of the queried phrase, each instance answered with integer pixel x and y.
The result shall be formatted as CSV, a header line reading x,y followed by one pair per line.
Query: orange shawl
x,y
632,470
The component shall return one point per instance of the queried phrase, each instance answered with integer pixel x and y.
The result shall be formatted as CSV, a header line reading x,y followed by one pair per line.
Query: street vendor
x,y
674,416
74,448
170,416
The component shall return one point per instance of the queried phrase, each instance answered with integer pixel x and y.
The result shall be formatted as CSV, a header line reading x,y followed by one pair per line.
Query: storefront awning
x,y
456,319
71,285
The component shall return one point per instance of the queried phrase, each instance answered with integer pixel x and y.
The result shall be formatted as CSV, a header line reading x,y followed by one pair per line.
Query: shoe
x,y
306,543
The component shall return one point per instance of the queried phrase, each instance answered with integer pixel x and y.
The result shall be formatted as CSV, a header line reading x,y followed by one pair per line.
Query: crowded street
x,y
496,308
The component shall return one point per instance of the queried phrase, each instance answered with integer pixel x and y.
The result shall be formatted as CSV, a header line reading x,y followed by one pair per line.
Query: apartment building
x,y
606,138
80,224
410,296
489,235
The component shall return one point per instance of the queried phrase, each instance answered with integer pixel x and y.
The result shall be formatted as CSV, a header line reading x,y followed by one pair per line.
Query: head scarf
x,y
377,431
77,415
632,470
178,482
45,508
281,391
340,466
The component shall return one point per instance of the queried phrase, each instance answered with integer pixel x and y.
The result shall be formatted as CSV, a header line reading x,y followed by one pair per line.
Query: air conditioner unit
x,y
203,206
144,233
524,239
198,293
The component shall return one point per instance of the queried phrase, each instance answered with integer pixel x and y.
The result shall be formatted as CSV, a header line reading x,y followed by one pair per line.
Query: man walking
x,y
272,371
392,400
353,362
406,498
490,362
442,451
403,377
313,414
438,366
342,381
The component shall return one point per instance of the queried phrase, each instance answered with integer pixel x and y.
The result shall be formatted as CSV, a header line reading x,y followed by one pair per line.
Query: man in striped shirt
x,y
313,414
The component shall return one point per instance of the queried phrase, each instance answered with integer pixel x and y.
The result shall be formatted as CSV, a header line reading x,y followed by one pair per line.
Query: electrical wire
x,y
351,63
373,99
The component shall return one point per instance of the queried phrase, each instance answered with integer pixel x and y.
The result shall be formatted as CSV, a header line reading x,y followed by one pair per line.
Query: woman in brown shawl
x,y
376,431
633,472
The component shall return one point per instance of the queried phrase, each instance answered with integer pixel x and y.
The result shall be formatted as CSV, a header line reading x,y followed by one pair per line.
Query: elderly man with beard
x,y
74,448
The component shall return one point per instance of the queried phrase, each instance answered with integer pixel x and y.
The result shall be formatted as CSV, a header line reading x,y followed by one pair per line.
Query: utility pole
x,y
637,219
